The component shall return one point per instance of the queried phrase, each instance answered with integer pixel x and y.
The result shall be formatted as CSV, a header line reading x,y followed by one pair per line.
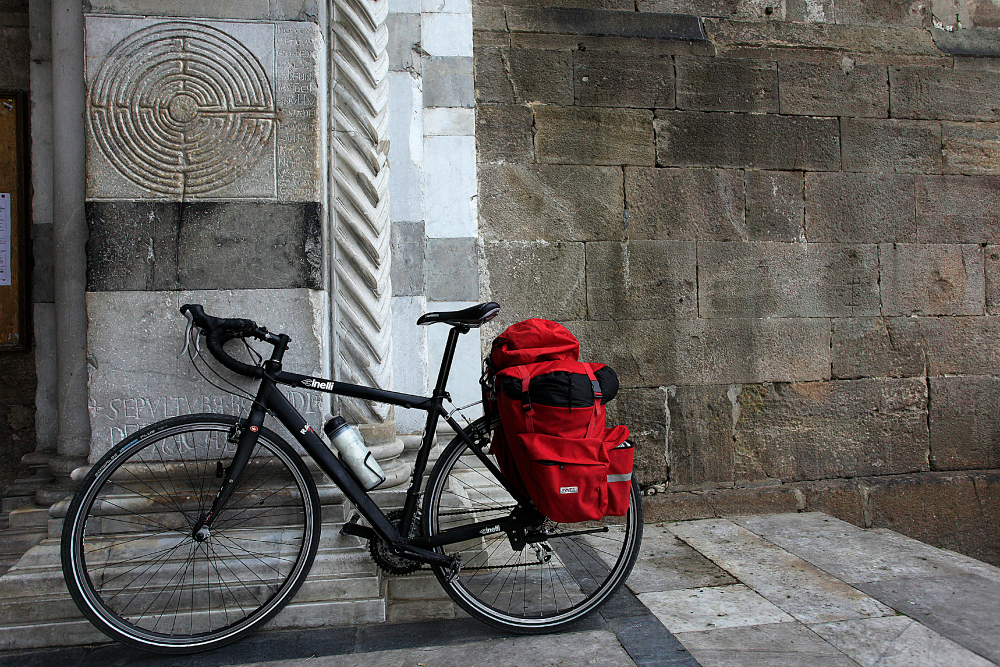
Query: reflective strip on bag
x,y
627,477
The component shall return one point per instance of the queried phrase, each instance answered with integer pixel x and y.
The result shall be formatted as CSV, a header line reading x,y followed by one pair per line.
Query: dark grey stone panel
x,y
407,272
967,41
404,41
205,245
447,82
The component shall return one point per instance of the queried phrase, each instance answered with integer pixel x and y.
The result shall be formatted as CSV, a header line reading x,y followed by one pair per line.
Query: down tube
x,y
317,449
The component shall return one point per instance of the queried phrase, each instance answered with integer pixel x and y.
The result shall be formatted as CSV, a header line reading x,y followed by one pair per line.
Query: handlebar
x,y
219,331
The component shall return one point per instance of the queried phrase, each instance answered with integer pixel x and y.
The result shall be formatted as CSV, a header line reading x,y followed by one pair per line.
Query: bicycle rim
x,y
130,559
541,587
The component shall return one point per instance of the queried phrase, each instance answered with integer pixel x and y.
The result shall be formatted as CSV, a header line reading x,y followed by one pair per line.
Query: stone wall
x,y
777,223
17,390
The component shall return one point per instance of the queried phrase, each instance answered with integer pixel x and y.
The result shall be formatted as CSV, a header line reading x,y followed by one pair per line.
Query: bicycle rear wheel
x,y
541,587
130,559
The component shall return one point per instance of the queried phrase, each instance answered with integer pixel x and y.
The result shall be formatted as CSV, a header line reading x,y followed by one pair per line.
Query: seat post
x,y
447,358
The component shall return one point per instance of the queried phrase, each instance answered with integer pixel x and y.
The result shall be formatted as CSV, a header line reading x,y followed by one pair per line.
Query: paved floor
x,y
791,590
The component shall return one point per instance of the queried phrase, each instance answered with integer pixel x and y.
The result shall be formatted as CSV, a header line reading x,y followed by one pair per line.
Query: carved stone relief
x,y
183,110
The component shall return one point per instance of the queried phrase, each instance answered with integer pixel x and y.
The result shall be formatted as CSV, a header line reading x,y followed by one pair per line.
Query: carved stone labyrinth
x,y
181,109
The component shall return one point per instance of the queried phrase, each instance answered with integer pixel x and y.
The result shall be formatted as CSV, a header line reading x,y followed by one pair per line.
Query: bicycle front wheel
x,y
129,555
541,587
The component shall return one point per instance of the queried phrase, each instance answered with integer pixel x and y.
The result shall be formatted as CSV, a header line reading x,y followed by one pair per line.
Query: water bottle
x,y
353,452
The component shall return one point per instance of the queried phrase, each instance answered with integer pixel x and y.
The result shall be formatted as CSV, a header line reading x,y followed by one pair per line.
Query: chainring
x,y
382,553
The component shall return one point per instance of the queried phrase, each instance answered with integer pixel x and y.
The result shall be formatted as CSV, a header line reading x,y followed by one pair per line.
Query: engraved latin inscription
x,y
182,109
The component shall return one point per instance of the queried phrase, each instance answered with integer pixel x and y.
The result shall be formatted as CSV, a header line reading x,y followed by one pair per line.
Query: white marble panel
x,y
409,359
450,121
445,34
406,148
798,587
697,609
447,6
896,641
450,178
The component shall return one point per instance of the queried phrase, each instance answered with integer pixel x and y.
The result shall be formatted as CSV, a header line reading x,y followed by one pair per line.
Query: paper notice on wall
x,y
4,238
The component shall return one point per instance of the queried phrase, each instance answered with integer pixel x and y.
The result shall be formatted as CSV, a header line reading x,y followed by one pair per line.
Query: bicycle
x,y
196,530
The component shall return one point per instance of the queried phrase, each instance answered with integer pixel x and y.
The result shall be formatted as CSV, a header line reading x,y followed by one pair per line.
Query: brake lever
x,y
187,336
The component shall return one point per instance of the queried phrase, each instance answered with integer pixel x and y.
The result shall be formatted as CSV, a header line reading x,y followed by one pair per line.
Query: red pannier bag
x,y
553,440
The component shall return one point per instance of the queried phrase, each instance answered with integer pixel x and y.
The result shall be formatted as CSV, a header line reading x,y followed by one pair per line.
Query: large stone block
x,y
945,94
699,443
846,207
685,204
594,135
961,345
971,148
504,133
131,334
775,208
492,69
941,510
538,279
452,270
450,186
723,84
538,75
706,352
756,141
884,145
737,9
644,411
847,89
201,245
550,202
958,209
762,279
845,428
406,191
640,280
622,79
877,347
932,279
965,429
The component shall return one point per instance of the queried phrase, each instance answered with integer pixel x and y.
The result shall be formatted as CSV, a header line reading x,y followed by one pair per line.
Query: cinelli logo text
x,y
317,384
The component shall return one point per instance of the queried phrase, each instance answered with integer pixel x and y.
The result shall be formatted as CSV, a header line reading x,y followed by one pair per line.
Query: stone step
x,y
29,516
17,541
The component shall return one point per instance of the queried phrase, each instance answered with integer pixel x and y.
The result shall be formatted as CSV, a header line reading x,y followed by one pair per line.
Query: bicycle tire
x,y
515,590
130,560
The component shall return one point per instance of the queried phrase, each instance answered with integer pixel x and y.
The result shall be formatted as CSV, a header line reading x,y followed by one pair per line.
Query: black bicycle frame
x,y
270,399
